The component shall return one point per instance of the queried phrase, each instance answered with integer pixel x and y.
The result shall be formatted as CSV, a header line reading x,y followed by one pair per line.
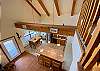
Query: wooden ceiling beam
x,y
43,6
73,7
64,30
57,7
33,7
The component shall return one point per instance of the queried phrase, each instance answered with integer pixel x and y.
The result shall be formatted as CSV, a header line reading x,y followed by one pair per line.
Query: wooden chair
x,y
56,66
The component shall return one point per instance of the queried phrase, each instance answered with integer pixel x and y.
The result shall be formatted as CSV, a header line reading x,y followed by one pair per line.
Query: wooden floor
x,y
28,62
68,56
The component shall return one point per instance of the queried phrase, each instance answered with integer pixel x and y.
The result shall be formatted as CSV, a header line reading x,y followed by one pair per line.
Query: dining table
x,y
34,42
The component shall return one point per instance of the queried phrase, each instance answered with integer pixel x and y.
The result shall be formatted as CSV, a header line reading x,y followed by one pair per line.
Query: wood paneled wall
x,y
64,30
88,33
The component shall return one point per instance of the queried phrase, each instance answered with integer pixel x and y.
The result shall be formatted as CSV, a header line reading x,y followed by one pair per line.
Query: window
x,y
27,36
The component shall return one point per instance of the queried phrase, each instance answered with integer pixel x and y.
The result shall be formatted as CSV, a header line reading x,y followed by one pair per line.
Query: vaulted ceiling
x,y
56,12
55,7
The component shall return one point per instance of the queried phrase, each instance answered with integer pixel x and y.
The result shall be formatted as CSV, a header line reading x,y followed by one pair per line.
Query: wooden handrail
x,y
89,46
93,57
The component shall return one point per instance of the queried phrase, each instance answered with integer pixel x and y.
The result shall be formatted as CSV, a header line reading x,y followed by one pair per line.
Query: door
x,y
10,48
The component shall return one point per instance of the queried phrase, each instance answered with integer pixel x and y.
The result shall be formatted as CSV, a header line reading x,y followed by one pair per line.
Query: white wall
x,y
14,11
0,16
68,54
60,20
76,53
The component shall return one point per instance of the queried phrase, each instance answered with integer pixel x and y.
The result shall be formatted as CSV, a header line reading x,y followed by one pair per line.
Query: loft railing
x,y
88,33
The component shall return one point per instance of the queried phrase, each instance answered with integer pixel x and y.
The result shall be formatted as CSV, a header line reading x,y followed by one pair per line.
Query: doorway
x,y
10,48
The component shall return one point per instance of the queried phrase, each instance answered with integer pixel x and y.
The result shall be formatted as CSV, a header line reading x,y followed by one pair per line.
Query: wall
x,y
21,32
68,53
76,53
14,11
0,16
65,19
72,59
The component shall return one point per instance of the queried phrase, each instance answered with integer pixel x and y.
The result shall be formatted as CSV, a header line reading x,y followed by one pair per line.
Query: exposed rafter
x,y
33,7
73,7
67,30
57,7
43,6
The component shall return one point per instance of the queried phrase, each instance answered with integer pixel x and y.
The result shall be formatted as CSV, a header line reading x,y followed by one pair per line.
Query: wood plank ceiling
x,y
29,2
43,6
48,7
57,7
